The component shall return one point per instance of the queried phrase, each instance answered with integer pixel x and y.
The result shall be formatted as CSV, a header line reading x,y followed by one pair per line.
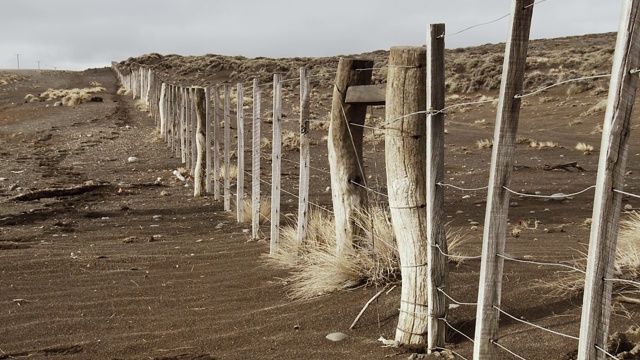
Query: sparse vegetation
x,y
484,144
586,149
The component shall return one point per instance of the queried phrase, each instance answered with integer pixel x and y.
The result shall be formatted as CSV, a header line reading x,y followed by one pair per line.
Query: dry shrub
x,y
542,144
585,148
316,267
141,105
290,140
95,84
264,213
596,109
71,97
29,98
596,129
123,91
233,172
627,265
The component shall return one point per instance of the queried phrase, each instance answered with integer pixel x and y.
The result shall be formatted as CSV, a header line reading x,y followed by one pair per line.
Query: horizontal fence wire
x,y
606,353
557,196
540,262
462,189
626,281
454,300
506,349
444,320
626,193
519,96
535,325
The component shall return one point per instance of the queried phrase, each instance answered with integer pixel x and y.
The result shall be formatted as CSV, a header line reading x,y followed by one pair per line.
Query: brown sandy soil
x,y
123,272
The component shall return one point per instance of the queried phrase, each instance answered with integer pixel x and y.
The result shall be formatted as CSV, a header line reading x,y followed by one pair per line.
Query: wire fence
x,y
184,120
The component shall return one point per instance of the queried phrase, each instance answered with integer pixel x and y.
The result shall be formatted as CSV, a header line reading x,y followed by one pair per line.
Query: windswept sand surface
x,y
136,268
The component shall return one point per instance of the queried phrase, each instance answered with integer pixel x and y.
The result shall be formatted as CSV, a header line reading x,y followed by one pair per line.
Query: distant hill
x,y
469,70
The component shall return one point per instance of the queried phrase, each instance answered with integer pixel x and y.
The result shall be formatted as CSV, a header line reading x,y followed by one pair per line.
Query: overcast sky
x,y
77,34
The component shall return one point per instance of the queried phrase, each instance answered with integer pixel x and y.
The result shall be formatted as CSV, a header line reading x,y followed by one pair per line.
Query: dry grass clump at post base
x,y
141,105
233,172
124,91
29,98
627,266
264,213
316,268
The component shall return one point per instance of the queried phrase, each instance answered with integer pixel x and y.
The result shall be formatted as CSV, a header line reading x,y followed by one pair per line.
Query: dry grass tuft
x,y
596,109
542,144
317,269
484,144
141,105
265,209
627,265
233,172
290,140
585,148
123,91
71,97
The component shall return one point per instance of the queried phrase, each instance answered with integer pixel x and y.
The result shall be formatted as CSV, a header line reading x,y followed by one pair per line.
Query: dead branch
x,y
57,192
566,167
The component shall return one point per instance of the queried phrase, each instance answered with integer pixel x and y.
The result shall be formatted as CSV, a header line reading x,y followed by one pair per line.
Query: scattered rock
x,y
157,217
130,239
164,193
337,336
132,159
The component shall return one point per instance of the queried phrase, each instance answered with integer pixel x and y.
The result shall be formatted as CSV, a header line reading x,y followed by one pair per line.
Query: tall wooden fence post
x,y
405,149
240,158
216,142
437,271
199,182
255,163
305,157
276,162
207,97
596,308
227,148
345,149
495,224
163,107
194,136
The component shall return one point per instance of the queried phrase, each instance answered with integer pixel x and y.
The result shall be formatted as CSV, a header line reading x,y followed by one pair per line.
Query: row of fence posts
x,y
415,168
189,120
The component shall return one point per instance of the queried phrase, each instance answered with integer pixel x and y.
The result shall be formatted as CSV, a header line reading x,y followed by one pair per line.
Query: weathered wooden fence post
x,y
216,142
405,149
163,107
255,163
495,224
207,96
276,162
227,148
240,157
194,135
305,156
345,149
596,308
183,126
437,270
199,182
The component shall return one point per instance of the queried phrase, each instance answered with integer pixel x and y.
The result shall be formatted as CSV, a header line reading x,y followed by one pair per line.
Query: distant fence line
x,y
189,120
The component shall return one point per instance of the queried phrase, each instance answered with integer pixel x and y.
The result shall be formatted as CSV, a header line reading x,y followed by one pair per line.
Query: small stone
x,y
628,207
337,336
474,223
157,217
467,197
132,159
459,212
164,193
514,204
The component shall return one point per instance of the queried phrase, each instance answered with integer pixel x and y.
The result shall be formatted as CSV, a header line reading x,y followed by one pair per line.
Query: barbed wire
x,y
456,330
473,27
534,325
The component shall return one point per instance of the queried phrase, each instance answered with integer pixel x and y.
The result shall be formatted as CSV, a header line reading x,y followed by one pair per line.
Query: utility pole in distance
x,y
18,58
38,61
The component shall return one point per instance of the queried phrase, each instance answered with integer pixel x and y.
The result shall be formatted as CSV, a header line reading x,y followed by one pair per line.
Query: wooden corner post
x,y
504,141
437,271
405,150
345,149
596,308
305,155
